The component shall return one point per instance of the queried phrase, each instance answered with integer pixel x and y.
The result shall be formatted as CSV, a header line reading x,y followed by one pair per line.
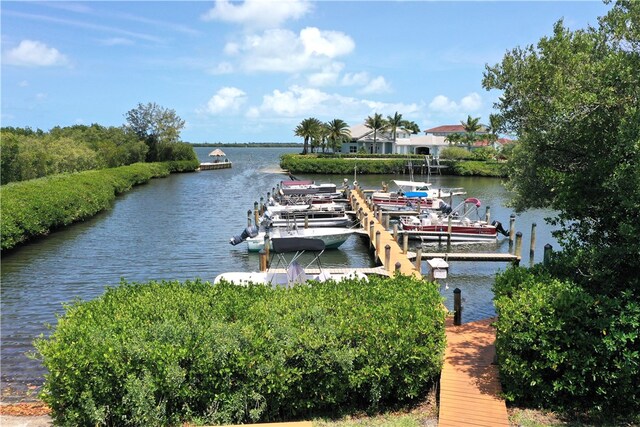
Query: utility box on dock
x,y
438,268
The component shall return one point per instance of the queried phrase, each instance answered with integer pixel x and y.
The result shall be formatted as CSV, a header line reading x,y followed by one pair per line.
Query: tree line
x,y
151,133
331,135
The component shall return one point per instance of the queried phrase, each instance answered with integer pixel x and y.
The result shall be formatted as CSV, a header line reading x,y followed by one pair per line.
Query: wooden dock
x,y
386,249
213,166
469,385
465,256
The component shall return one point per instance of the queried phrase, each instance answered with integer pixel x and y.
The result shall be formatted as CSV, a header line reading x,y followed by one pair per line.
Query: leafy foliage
x,y
574,102
157,126
561,348
33,208
166,353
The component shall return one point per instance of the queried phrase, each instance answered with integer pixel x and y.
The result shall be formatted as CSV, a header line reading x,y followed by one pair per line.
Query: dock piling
x,y
457,307
518,249
378,241
387,255
405,243
532,245
487,215
512,229
419,259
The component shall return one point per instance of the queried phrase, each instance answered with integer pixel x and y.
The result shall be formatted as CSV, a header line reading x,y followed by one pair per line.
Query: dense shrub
x,y
176,151
311,164
166,353
456,153
32,208
477,168
562,348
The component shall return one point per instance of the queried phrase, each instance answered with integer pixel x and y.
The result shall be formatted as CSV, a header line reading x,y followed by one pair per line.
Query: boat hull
x,y
332,238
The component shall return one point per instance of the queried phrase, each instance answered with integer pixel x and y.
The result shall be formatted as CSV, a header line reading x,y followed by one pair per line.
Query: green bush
x,y
477,168
33,208
167,353
561,348
312,164
456,153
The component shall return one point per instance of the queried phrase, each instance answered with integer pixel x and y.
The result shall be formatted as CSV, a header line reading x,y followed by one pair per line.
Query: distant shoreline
x,y
247,144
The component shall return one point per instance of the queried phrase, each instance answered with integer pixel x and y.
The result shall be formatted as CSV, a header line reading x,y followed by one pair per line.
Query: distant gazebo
x,y
217,154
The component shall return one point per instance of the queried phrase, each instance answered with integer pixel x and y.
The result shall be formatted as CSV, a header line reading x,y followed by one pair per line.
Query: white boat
x,y
292,272
414,194
332,237
314,216
435,227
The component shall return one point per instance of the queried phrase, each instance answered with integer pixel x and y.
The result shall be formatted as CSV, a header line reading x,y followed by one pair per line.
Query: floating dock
x,y
212,166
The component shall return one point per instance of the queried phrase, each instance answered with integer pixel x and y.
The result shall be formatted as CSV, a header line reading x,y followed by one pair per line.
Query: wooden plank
x,y
469,386
466,256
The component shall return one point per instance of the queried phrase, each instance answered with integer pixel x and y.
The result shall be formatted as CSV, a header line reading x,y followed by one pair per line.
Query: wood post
x,y
512,230
405,242
306,220
398,265
371,228
255,213
548,253
457,307
378,249
419,259
532,246
487,215
263,260
518,250
249,218
387,257
449,232
395,232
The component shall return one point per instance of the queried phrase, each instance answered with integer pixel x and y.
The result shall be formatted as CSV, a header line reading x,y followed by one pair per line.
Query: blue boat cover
x,y
416,194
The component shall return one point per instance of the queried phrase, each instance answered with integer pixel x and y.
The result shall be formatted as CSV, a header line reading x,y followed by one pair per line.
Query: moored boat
x,y
414,194
333,237
456,226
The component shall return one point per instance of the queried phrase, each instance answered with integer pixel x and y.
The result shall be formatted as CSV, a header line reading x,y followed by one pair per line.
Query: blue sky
x,y
251,71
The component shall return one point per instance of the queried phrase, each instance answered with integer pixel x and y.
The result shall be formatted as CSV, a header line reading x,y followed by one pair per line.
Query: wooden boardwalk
x,y
394,258
466,256
469,385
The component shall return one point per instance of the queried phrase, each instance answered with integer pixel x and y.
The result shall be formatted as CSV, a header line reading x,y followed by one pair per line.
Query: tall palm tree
x,y
338,132
394,123
471,126
412,127
307,129
495,123
376,123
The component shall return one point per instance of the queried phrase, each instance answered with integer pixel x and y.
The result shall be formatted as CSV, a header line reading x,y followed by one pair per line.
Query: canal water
x,y
178,228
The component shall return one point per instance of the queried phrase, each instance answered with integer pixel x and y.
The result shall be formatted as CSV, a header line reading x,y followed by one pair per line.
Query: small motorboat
x,y
289,273
414,194
434,226
333,237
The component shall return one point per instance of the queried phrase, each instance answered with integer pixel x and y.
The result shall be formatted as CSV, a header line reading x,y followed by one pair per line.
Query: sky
x,y
251,71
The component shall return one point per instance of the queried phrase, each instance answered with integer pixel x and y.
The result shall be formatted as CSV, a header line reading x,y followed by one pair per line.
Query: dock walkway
x,y
469,385
393,259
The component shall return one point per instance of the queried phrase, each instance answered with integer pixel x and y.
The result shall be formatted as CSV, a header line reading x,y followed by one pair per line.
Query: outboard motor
x,y
500,228
445,208
251,231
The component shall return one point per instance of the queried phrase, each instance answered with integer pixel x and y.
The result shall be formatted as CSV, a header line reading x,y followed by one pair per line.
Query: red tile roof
x,y
446,128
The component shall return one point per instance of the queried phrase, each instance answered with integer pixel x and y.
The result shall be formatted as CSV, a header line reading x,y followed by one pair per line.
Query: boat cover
x,y
295,244
295,183
416,194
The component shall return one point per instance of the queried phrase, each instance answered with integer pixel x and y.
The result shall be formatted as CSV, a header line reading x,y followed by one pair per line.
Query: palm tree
x,y
376,123
394,123
338,132
307,129
471,126
454,138
412,127
495,123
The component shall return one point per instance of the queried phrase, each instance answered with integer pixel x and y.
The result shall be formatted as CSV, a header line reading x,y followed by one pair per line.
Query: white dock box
x,y
439,268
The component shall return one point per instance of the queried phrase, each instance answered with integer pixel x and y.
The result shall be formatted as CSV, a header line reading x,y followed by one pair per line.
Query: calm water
x,y
177,228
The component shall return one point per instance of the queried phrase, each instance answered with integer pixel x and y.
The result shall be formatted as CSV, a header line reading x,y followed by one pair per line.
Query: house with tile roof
x,y
362,138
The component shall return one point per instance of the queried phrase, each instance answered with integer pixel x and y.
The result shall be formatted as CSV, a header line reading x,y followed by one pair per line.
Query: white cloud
x,y
30,53
258,14
355,79
468,104
299,102
377,85
227,99
279,50
23,83
471,102
328,76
